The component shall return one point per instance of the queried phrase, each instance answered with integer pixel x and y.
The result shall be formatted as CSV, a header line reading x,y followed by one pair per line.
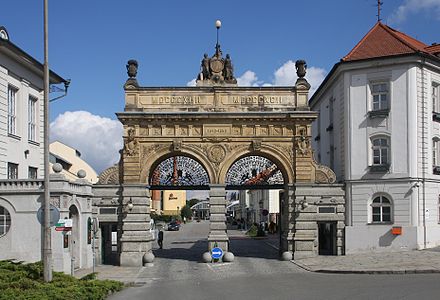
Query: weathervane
x,y
379,3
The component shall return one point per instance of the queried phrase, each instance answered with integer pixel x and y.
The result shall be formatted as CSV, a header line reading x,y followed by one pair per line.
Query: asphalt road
x,y
256,273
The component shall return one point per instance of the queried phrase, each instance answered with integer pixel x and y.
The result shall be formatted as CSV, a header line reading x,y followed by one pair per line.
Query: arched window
x,y
381,210
5,221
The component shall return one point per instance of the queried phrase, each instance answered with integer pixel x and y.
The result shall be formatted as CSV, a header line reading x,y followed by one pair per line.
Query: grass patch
x,y
25,281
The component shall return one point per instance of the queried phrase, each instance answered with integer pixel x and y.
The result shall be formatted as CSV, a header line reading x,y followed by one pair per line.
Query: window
x,y
89,230
379,93
435,102
12,93
33,173
5,221
438,209
12,171
435,98
32,117
380,151
381,210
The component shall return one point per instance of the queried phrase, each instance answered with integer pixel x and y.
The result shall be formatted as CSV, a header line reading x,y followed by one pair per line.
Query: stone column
x,y
217,226
136,238
287,213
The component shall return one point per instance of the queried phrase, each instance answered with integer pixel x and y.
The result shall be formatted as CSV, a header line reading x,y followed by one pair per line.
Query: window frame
x,y
380,93
435,97
4,218
32,118
12,109
32,169
10,173
381,205
384,160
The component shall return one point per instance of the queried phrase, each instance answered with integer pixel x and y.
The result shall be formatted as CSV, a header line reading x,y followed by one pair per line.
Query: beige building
x,y
173,201
71,161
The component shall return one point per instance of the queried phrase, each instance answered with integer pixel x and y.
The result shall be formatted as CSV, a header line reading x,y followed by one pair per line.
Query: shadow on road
x,y
176,250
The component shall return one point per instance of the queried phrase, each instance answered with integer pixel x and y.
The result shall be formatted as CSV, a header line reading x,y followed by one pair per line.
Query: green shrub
x,y
25,281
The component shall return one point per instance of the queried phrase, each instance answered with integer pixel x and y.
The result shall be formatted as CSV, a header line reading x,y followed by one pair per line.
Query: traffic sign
x,y
64,225
54,215
216,253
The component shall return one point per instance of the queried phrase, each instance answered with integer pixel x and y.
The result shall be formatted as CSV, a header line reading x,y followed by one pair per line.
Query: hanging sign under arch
x,y
179,171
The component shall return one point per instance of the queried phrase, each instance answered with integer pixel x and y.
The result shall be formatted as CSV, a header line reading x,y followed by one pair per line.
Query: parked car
x,y
173,226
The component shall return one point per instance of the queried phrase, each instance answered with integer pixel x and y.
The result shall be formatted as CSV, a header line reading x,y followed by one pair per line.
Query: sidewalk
x,y
416,261
127,275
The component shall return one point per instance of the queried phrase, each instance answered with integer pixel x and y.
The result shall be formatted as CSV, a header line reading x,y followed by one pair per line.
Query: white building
x,y
22,170
379,130
21,113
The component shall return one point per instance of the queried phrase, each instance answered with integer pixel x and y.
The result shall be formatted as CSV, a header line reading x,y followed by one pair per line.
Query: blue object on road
x,y
216,253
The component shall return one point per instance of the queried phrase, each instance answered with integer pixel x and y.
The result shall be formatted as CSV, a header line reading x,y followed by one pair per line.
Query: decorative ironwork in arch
x,y
254,171
179,171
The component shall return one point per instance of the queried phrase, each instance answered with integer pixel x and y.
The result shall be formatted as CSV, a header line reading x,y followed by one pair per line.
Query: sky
x,y
90,42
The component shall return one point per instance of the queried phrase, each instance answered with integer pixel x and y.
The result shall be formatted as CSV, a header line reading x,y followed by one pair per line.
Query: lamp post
x,y
47,243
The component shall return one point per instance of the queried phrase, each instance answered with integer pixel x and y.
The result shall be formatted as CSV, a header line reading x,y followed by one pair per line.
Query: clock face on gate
x,y
179,171
254,171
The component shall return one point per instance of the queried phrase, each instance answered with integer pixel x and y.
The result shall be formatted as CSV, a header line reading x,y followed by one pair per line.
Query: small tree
x,y
186,212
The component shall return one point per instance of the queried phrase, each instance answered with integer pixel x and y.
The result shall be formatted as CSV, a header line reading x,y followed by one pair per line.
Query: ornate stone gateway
x,y
218,135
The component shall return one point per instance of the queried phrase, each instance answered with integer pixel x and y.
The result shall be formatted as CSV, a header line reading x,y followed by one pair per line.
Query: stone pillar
x,y
217,226
136,238
287,220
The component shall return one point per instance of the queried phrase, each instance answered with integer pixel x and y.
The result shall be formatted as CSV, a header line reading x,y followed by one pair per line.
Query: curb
x,y
333,271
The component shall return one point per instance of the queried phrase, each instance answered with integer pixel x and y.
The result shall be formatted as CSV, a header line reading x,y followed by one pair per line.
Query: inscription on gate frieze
x,y
276,98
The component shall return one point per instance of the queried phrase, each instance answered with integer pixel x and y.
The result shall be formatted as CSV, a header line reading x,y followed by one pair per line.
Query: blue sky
x,y
91,41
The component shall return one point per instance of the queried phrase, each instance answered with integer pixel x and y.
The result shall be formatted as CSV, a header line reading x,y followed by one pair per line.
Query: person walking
x,y
160,238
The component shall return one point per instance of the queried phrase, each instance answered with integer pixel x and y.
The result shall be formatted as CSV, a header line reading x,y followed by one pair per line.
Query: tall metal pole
x,y
47,247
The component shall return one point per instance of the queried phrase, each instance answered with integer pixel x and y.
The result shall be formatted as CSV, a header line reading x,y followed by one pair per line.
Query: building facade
x,y
71,161
379,130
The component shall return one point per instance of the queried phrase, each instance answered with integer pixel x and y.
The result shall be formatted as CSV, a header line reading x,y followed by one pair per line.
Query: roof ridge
x,y
393,32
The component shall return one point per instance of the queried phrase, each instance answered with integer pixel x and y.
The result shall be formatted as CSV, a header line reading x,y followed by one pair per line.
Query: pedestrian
x,y
160,238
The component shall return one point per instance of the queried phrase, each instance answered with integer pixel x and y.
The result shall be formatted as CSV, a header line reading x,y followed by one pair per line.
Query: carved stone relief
x,y
216,153
109,176
131,143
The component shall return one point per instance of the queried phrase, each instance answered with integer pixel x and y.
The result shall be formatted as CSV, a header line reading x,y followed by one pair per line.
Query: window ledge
x,y
33,143
379,168
436,116
378,113
380,223
14,136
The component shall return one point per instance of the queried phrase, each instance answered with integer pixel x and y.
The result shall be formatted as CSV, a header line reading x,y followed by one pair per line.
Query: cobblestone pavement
x,y
416,261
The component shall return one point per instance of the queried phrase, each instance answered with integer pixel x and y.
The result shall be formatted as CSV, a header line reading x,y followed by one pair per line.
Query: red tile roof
x,y
383,40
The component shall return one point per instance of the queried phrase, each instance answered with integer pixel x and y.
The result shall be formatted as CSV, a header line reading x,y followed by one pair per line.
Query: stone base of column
x,y
136,238
218,236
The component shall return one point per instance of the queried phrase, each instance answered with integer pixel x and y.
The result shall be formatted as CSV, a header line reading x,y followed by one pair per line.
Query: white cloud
x,y
283,76
191,83
414,6
98,139
248,78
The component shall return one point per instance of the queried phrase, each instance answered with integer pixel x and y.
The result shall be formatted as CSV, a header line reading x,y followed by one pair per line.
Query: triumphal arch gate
x,y
219,136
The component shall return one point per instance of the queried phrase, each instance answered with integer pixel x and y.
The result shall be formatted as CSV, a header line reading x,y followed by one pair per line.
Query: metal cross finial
x,y
379,3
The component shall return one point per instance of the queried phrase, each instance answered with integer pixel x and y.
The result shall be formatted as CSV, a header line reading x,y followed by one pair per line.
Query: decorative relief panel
x,y
131,144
